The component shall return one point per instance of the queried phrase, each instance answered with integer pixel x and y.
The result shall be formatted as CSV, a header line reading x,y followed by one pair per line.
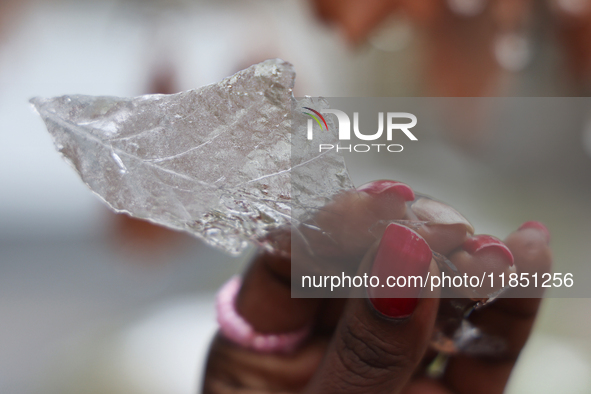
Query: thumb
x,y
379,342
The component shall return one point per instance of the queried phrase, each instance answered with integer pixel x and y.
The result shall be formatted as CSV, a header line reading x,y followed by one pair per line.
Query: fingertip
x,y
438,213
537,227
479,256
402,253
479,243
387,188
445,229
530,246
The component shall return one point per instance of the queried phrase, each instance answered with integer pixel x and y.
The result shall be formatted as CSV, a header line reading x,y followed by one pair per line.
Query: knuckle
x,y
368,356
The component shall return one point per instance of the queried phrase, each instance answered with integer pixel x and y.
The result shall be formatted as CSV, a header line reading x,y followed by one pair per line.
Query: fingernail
x,y
478,243
439,213
402,253
536,226
376,188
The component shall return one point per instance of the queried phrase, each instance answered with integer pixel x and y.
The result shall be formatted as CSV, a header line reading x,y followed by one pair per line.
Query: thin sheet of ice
x,y
215,161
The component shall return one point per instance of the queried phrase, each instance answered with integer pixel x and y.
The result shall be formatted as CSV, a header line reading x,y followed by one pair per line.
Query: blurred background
x,y
93,302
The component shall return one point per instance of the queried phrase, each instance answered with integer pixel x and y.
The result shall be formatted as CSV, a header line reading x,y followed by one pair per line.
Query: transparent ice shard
x,y
317,176
214,162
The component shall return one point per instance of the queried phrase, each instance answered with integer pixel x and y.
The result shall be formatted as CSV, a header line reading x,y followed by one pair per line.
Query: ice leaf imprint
x,y
227,162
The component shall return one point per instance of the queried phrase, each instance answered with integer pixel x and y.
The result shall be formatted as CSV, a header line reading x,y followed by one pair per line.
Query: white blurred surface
x,y
161,351
569,370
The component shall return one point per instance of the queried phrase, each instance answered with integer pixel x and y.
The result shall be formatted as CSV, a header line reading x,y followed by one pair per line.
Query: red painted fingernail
x,y
402,253
386,187
536,226
480,242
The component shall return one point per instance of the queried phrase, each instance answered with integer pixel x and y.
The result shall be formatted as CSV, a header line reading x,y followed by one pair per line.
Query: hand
x,y
354,347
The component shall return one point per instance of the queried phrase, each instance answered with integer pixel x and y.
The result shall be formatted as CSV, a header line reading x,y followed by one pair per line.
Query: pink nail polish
x,y
536,226
385,187
401,253
480,242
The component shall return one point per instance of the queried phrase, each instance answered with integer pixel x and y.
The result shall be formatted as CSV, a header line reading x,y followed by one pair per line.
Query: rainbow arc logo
x,y
316,116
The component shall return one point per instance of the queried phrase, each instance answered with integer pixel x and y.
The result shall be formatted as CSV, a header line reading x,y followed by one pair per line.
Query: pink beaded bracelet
x,y
235,328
